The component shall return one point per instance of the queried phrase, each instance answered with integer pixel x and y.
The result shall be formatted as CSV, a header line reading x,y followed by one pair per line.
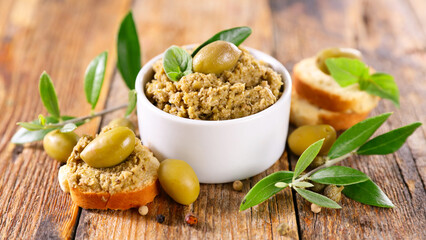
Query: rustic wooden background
x,y
62,37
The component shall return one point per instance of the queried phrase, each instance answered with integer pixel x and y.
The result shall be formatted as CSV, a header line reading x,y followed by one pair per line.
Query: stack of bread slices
x,y
318,99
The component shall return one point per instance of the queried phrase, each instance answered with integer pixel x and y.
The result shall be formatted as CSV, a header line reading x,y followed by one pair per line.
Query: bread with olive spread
x,y
321,90
132,183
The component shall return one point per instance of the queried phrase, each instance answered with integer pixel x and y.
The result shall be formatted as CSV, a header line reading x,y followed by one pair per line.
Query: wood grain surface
x,y
62,37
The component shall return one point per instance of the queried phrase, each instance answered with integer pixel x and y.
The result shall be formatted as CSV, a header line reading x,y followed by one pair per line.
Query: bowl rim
x,y
267,58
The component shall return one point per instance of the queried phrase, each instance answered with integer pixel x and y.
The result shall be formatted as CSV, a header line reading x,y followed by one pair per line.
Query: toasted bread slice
x,y
132,183
323,91
302,112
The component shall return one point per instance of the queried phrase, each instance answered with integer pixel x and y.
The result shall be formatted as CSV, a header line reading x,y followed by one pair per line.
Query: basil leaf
x,y
69,127
265,188
234,35
338,175
368,193
48,95
94,78
31,126
25,136
382,85
316,198
389,142
307,157
346,71
177,63
128,51
357,135
303,184
132,102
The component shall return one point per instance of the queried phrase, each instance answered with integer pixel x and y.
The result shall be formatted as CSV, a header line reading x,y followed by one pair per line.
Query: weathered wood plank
x,y
386,37
61,38
217,206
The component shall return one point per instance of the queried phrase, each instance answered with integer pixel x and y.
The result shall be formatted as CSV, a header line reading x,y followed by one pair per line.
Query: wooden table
x,y
62,37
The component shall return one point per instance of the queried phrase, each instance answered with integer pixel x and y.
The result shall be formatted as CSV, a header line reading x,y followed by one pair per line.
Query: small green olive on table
x,y
216,58
59,145
179,181
109,148
301,138
335,53
122,122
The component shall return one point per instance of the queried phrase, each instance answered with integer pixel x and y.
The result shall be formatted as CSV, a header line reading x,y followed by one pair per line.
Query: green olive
x,y
109,148
216,57
179,181
301,138
122,122
333,192
59,145
335,53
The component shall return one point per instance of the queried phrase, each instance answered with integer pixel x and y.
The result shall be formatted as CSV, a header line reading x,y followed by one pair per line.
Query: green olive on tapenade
x,y
335,53
121,122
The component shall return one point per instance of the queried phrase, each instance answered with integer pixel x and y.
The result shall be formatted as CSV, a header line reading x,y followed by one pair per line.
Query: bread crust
x,y
116,201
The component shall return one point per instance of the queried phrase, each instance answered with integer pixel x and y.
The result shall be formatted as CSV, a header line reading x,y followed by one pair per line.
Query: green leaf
x,y
338,175
132,102
234,35
69,127
31,126
357,135
41,119
177,63
281,185
316,198
48,95
307,157
389,142
303,184
346,71
128,51
265,188
368,193
94,78
382,85
25,136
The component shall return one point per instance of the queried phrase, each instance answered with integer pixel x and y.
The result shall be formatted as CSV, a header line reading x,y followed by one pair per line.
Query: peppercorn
x,y
160,218
315,208
191,219
237,185
143,210
333,192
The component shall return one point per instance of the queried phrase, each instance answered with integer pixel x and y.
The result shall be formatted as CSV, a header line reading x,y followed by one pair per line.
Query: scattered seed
x,y
160,218
315,208
237,185
143,210
191,219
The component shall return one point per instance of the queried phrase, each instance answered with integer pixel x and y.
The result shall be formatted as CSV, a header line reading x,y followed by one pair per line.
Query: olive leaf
x,y
132,102
94,78
31,126
368,193
307,157
389,142
357,135
382,85
303,184
41,119
235,35
128,51
48,95
338,175
177,63
265,188
69,127
318,199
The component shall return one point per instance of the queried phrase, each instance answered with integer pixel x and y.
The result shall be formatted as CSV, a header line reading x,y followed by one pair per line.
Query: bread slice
x,y
323,91
302,112
132,183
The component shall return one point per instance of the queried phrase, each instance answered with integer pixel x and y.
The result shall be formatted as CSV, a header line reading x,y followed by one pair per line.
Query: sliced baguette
x,y
323,91
302,112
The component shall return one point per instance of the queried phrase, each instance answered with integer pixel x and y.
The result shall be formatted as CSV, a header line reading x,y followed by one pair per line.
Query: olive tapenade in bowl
x,y
228,125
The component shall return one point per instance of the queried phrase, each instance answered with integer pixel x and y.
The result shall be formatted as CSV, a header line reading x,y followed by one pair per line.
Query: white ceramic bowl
x,y
218,151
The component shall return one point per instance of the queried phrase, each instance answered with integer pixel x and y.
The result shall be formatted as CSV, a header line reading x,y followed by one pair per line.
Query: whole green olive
x,y
301,138
335,53
109,148
179,181
122,122
216,57
59,145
